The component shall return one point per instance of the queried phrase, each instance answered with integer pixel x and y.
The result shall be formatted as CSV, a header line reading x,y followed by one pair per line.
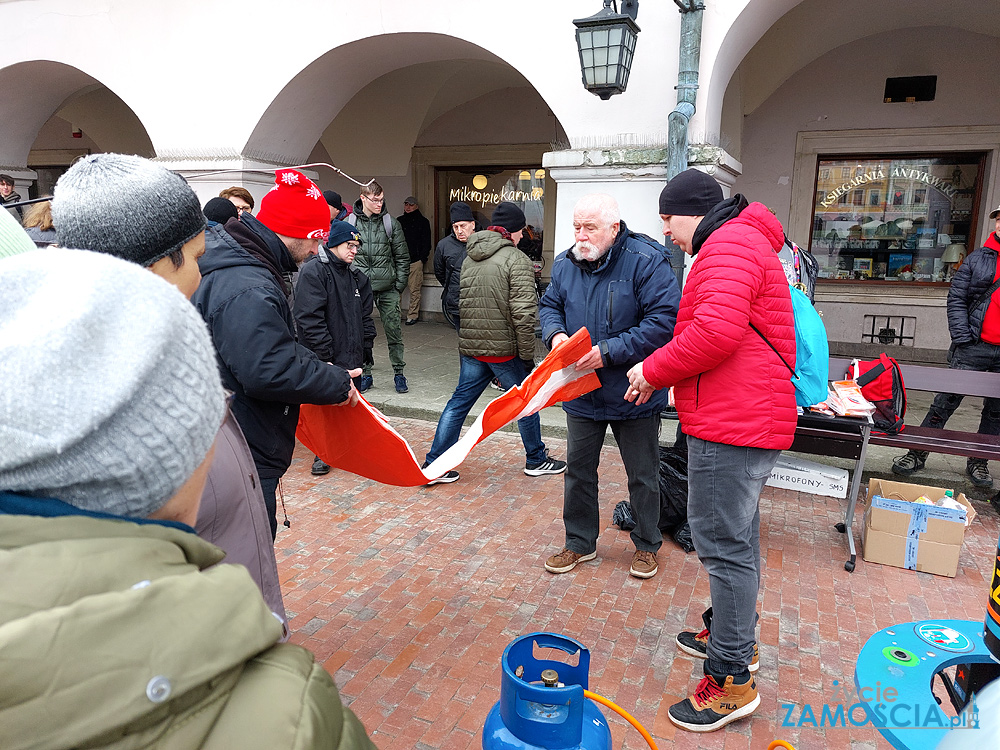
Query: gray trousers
x,y
638,442
724,486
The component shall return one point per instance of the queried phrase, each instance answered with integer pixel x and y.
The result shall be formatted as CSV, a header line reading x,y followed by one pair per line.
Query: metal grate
x,y
889,329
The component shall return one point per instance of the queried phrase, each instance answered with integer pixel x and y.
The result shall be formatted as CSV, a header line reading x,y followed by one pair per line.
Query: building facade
x,y
864,125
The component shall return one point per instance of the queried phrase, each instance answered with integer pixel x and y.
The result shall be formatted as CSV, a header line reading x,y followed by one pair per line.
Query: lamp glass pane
x,y
614,55
615,36
600,37
588,58
601,56
585,38
601,75
588,76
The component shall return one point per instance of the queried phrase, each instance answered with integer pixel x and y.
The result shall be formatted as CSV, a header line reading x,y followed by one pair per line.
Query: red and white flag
x,y
360,439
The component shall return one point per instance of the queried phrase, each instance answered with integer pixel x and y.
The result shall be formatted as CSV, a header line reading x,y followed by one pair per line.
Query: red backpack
x,y
881,382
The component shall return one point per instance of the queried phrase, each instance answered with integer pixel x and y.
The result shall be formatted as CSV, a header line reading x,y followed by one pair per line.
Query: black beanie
x,y
333,199
508,216
220,210
461,212
691,193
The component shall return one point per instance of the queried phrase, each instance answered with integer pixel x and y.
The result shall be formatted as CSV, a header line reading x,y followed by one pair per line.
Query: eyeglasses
x,y
241,209
353,245
379,199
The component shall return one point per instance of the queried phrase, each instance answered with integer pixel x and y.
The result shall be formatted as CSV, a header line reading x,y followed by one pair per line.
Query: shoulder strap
x,y
757,331
989,293
352,219
387,224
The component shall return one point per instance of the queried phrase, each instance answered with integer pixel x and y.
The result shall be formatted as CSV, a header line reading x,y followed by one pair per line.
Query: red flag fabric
x,y
361,440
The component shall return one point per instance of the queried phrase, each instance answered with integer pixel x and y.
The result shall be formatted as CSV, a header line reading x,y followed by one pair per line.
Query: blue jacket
x,y
629,305
243,299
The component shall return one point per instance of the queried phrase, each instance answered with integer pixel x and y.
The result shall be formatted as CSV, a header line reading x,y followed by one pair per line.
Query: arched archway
x,y
55,111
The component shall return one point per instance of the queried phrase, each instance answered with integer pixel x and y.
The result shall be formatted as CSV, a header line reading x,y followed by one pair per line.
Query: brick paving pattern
x,y
409,596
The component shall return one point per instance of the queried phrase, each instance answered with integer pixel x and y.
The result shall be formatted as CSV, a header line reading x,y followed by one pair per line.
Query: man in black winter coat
x,y
449,255
974,325
244,299
417,231
333,307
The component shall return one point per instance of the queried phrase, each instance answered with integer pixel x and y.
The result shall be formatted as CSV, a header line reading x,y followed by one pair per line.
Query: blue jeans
x,y
473,380
724,486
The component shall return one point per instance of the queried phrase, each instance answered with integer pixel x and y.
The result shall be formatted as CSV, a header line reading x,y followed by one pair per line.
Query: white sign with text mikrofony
x,y
807,476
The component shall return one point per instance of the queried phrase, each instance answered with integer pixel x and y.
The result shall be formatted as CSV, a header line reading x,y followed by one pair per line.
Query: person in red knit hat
x,y
245,299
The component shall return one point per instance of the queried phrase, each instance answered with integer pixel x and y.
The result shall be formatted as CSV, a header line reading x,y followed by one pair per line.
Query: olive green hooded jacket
x,y
383,259
498,302
113,635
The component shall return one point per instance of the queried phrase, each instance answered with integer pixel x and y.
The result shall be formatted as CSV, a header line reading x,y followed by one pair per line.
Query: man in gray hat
x,y
118,624
417,231
167,236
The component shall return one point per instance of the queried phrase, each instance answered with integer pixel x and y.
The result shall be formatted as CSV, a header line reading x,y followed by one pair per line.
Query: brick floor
x,y
408,596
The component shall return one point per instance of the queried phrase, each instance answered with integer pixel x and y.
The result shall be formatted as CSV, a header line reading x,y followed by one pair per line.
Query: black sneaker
x,y
712,705
979,473
495,385
320,467
695,642
447,478
909,463
548,466
401,386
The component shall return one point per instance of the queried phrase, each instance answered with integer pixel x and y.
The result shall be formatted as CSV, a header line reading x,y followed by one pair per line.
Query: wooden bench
x,y
849,438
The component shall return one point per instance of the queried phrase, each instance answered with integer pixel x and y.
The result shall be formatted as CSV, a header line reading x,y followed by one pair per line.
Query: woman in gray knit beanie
x,y
112,397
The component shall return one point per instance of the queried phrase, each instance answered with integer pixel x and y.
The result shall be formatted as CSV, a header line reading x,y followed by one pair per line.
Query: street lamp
x,y
606,41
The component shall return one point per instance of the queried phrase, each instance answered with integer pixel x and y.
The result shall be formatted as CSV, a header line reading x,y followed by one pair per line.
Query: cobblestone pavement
x,y
408,596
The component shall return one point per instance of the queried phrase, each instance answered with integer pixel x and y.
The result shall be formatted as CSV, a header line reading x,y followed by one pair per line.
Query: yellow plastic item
x,y
779,743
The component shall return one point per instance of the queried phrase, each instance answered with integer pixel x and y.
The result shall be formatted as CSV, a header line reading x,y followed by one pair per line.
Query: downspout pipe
x,y
687,91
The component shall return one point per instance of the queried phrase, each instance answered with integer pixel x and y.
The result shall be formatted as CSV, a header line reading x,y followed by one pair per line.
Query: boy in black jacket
x,y
333,307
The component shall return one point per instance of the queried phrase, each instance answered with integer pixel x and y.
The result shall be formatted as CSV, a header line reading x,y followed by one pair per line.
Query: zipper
x,y
611,314
697,392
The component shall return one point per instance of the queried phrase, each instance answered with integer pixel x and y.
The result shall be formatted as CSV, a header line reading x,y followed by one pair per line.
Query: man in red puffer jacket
x,y
736,403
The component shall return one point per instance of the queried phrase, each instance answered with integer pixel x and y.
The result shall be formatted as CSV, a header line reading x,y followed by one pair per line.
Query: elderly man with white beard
x,y
619,286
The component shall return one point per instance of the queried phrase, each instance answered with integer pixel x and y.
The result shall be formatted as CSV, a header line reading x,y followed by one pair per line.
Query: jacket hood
x,y
108,608
719,215
245,241
359,211
482,245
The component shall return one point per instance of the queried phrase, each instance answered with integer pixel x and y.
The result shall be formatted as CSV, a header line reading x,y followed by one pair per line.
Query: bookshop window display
x,y
895,218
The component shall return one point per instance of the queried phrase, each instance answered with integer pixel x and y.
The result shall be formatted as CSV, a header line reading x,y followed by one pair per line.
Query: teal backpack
x,y
811,375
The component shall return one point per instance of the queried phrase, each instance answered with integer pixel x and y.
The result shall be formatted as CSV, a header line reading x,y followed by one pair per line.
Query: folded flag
x,y
361,440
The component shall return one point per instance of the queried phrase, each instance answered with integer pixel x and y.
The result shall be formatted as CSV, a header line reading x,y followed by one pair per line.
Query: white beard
x,y
587,251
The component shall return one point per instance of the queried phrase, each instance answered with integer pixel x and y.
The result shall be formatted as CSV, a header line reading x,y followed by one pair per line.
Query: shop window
x,y
918,214
484,187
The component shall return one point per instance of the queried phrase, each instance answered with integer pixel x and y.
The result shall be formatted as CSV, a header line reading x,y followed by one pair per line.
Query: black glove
x,y
369,358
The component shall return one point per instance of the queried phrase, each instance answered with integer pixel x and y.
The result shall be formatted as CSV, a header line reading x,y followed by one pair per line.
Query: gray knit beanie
x,y
111,395
125,206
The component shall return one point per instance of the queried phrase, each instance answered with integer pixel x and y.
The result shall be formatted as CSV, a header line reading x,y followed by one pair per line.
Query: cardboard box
x,y
909,535
806,476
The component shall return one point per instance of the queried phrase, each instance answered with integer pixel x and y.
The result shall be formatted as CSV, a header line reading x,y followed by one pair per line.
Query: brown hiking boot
x,y
566,560
643,564
713,706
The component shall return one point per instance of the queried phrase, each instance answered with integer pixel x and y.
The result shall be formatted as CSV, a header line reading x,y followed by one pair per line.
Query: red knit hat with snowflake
x,y
295,207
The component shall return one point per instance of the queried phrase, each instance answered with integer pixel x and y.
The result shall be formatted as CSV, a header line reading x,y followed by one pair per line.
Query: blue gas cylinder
x,y
541,704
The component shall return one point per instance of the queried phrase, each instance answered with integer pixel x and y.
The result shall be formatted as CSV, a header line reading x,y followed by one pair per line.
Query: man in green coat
x,y
385,259
118,628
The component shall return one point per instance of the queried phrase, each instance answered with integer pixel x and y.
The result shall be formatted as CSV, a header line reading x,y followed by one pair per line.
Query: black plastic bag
x,y
682,535
622,517
673,489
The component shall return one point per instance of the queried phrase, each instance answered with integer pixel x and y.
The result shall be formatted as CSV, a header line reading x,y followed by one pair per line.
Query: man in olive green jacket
x,y
118,629
385,259
498,306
